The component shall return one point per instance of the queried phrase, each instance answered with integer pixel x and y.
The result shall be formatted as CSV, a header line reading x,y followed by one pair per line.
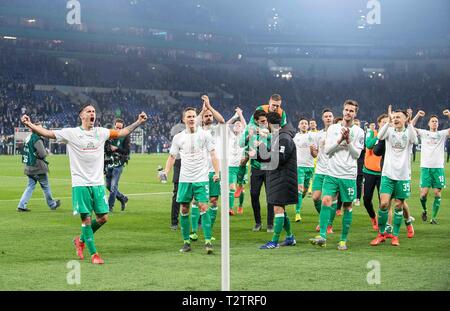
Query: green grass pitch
x,y
141,252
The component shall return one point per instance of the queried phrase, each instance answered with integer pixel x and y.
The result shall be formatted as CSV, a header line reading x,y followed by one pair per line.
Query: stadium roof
x,y
325,22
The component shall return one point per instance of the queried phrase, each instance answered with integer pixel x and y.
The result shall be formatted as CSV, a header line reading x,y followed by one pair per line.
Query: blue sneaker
x,y
269,245
289,241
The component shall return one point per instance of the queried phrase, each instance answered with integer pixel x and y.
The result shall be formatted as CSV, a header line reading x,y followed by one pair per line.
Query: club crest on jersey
x,y
399,143
433,139
90,146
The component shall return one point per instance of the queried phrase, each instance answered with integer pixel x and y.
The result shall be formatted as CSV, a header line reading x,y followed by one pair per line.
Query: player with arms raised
x,y
396,173
85,147
432,173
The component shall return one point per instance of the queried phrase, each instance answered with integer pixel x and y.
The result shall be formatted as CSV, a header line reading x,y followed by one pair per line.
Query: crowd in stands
x,y
34,66
57,111
245,85
128,104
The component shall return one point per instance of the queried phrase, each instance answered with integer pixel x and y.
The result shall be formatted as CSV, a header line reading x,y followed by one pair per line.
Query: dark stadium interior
x,y
160,56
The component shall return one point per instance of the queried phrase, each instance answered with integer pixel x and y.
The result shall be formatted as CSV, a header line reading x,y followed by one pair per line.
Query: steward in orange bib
x,y
372,170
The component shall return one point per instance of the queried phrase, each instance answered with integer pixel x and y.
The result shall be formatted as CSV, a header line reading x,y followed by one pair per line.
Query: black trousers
x,y
175,206
359,185
370,183
257,179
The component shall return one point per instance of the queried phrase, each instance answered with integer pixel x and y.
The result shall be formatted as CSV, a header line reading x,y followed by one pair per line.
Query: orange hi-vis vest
x,y
266,109
372,161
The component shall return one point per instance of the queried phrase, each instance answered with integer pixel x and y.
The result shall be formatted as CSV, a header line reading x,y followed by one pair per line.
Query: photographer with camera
x,y
117,154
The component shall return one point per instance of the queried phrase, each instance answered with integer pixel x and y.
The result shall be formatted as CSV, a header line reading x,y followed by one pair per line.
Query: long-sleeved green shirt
x,y
250,143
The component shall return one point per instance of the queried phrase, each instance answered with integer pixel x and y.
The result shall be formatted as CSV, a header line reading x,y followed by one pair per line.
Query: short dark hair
x,y
326,110
119,120
402,111
352,103
381,117
275,97
188,109
302,118
433,116
86,105
273,118
258,114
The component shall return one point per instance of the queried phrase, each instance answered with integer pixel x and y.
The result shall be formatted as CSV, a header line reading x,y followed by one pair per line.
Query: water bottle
x,y
162,175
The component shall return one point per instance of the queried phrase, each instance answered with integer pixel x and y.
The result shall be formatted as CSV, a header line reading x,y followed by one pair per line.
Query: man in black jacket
x,y
281,179
175,205
117,153
360,175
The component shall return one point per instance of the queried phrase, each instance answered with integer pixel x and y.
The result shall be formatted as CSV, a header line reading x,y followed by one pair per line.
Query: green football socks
x,y
398,217
332,213
436,206
231,198
195,215
184,223
89,238
206,225
278,227
382,220
212,210
287,226
325,212
94,225
346,223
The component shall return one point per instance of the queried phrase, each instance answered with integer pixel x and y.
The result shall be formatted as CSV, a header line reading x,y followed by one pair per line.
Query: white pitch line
x,y
128,195
69,180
